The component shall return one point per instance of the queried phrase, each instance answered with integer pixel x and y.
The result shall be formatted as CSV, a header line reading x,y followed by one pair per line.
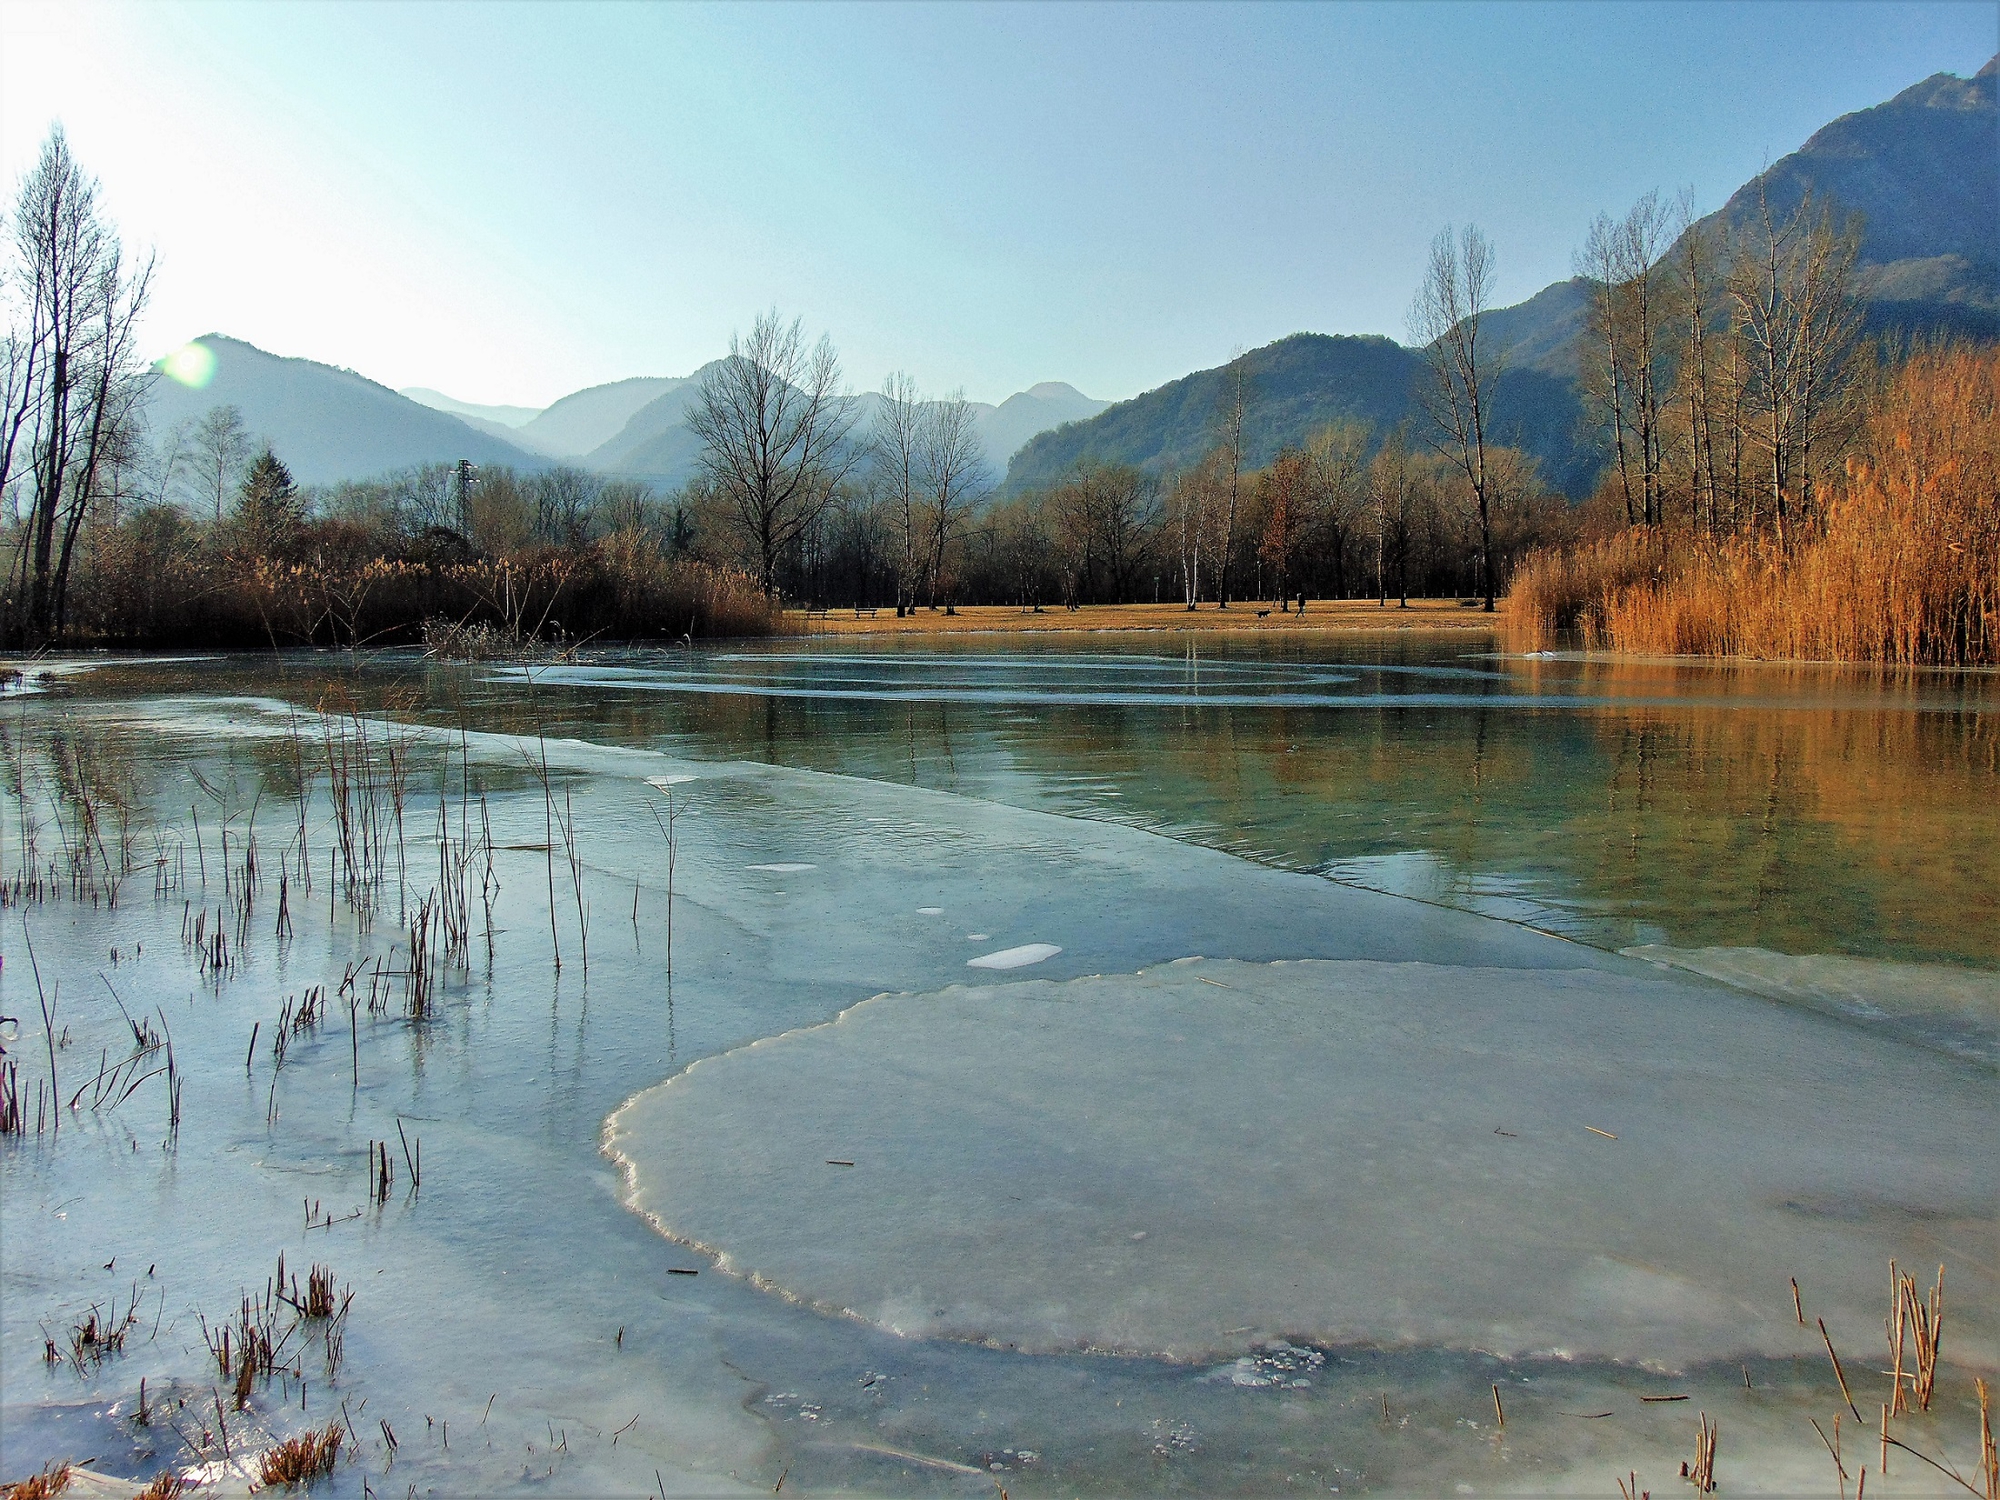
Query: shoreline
x,y
1321,617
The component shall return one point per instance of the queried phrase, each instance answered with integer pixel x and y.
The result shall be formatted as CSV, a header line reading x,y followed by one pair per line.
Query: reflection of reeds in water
x,y
70,777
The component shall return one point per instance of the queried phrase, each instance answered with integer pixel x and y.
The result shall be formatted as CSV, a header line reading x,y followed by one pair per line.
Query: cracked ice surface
x,y
1203,1157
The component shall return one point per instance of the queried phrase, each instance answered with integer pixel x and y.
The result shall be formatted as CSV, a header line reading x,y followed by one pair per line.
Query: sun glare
x,y
193,365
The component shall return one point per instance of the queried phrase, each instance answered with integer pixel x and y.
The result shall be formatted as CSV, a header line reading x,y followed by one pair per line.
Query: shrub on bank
x,y
157,579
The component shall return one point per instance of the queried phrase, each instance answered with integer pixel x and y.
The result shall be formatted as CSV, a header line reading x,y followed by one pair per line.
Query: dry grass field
x,y
1322,616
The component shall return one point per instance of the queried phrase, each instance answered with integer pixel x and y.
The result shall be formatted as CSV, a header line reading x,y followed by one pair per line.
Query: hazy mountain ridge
x,y
655,443
1299,384
1922,169
498,416
327,423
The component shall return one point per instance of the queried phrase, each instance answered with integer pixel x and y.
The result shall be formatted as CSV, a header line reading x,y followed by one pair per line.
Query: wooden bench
x,y
864,611
815,611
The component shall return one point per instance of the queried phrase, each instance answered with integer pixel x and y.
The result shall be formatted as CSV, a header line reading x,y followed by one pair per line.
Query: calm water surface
x,y
1800,809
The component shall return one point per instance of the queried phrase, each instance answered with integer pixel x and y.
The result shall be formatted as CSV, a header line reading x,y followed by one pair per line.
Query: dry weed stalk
x,y
1989,1455
166,1486
52,1481
302,1459
13,1119
1701,1473
1916,1322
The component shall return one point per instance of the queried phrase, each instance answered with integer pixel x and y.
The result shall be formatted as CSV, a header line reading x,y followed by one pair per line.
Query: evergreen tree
x,y
270,510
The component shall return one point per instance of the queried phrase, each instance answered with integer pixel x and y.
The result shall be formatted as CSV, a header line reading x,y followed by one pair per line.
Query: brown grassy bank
x,y
1322,616
1900,565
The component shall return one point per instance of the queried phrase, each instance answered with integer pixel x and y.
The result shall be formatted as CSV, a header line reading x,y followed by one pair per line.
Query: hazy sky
x,y
509,202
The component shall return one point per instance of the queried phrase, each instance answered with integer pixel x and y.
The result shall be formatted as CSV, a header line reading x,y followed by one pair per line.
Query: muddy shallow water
x,y
1800,861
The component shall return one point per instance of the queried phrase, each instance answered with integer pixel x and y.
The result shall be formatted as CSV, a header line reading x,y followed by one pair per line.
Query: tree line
x,y
1723,368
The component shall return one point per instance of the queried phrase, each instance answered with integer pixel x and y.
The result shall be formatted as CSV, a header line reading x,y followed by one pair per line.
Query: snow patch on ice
x,y
1014,958
781,869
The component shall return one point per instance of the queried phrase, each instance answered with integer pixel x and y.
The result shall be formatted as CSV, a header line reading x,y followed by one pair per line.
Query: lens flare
x,y
193,365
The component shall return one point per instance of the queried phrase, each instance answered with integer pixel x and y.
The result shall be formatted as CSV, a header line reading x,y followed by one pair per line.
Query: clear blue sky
x,y
508,202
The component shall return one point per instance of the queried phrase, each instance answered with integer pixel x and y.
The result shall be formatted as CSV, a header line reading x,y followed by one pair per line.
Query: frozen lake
x,y
1098,1071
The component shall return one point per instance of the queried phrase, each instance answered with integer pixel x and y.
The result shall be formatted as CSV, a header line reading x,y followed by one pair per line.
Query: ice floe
x,y
1566,1162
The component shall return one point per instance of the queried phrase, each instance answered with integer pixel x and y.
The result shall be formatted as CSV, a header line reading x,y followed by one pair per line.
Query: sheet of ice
x,y
930,911
1936,1004
663,782
1205,1156
1015,958
781,869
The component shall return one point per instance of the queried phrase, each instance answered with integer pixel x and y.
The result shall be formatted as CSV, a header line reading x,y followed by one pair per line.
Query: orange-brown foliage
x,y
301,1459
1903,566
51,1481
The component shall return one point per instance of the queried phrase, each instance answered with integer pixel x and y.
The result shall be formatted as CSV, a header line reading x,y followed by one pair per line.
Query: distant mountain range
x,y
1923,171
331,424
328,424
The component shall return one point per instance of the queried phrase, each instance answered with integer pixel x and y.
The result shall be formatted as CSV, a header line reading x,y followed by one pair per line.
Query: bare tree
x,y
1335,462
72,376
1284,490
956,476
895,461
1796,318
1392,486
773,423
1188,516
1697,377
1445,320
1630,289
1232,411
565,500
221,447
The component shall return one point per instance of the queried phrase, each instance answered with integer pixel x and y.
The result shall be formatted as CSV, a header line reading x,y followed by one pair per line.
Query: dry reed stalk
x,y
302,1459
1499,1412
51,1481
1631,1491
1924,1317
1832,1447
1838,1374
166,1486
1701,1473
1989,1454
13,1120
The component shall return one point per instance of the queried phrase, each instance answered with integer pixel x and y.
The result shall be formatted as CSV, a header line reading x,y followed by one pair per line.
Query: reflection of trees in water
x,y
1799,809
